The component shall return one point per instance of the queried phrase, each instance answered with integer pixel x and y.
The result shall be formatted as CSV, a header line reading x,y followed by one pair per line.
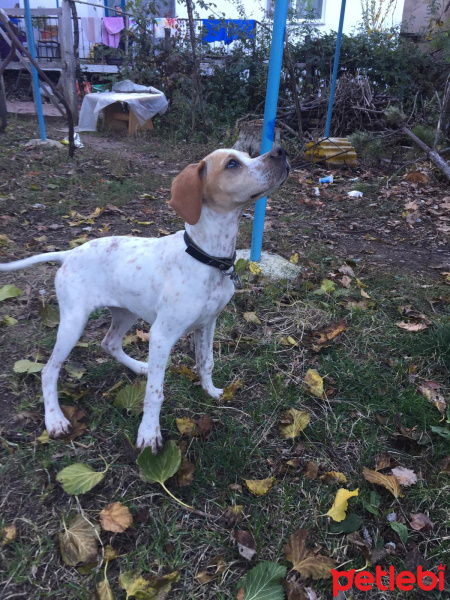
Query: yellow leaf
x,y
288,341
364,294
260,487
187,426
390,482
314,383
115,517
184,370
293,423
333,477
294,258
255,269
251,317
43,438
230,391
104,591
110,553
338,511
8,534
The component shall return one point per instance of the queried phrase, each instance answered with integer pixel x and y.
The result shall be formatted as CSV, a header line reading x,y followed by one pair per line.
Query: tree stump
x,y
250,135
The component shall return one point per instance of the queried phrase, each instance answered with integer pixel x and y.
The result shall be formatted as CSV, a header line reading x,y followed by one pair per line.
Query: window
x,y
309,9
304,9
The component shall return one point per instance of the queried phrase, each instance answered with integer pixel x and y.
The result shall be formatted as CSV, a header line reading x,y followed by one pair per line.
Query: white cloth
x,y
144,106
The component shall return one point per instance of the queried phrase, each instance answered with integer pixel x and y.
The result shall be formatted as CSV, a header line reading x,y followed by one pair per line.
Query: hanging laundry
x,y
227,30
90,27
215,30
112,26
240,29
166,23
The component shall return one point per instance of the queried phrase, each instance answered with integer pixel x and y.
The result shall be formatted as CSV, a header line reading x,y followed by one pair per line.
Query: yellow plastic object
x,y
335,151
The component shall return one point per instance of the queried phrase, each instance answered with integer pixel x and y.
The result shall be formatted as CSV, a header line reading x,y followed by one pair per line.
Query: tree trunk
x,y
196,76
434,157
293,84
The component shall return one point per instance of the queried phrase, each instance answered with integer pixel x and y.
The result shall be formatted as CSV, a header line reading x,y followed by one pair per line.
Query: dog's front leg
x,y
204,358
161,341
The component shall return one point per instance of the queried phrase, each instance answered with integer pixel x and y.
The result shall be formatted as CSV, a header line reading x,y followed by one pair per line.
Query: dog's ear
x,y
187,193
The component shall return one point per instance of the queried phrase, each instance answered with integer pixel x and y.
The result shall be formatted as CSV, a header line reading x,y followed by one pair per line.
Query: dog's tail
x,y
33,260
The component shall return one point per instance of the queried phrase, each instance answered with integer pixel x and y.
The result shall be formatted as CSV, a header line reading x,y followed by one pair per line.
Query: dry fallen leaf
x,y
251,317
230,391
314,383
383,461
293,423
416,177
444,465
144,336
185,473
75,416
421,521
311,470
246,543
259,487
115,517
183,370
430,389
333,477
204,425
234,514
327,335
405,477
390,482
338,511
8,534
187,426
305,562
79,541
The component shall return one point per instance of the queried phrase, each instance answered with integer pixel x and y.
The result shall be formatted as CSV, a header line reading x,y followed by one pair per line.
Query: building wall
x,y
416,14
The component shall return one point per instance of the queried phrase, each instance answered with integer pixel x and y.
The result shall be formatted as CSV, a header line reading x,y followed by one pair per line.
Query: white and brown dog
x,y
179,283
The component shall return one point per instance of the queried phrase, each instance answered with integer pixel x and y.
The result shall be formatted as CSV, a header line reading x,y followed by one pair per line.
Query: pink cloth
x,y
112,26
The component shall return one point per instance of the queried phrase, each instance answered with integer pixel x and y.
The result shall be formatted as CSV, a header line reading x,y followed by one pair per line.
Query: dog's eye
x,y
232,163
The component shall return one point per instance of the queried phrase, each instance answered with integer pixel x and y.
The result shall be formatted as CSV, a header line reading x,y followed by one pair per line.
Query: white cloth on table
x,y
144,106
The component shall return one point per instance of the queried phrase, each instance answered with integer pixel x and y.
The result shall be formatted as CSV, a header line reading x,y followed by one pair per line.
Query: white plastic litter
x,y
355,194
128,87
316,191
145,105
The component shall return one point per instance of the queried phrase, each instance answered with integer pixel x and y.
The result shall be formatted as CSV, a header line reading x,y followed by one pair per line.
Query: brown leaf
x,y
185,474
444,465
237,487
389,482
307,563
333,477
234,514
115,517
79,542
416,177
345,281
405,477
383,461
204,577
246,543
413,326
311,470
414,559
421,521
347,270
430,389
327,335
144,336
240,594
204,425
75,416
294,591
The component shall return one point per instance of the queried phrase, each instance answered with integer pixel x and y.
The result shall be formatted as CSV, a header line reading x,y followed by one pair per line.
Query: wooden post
x,y
195,72
68,63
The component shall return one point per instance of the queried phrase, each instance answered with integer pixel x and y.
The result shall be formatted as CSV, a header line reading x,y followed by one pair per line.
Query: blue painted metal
x,y
270,111
335,69
34,73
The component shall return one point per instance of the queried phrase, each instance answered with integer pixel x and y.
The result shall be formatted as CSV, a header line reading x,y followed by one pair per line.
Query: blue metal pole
x,y
270,112
335,69
32,51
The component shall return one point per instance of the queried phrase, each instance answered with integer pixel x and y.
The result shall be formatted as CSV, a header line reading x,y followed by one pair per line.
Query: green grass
x,y
371,373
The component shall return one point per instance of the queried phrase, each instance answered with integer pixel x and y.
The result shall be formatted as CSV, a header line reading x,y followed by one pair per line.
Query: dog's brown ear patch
x,y
187,193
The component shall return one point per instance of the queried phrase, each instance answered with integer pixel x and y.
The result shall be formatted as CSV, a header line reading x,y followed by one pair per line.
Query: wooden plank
x,y
68,73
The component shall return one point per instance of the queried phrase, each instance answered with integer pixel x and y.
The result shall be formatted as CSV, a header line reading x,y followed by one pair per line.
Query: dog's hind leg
x,y
122,320
204,358
71,327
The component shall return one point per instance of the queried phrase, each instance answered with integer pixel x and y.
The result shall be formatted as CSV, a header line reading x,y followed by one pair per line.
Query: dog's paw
x,y
214,392
148,438
57,425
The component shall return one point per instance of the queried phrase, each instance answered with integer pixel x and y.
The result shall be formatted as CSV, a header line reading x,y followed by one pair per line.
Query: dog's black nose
x,y
278,152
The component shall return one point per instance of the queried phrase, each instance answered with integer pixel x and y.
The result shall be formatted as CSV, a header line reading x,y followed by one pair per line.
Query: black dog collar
x,y
223,264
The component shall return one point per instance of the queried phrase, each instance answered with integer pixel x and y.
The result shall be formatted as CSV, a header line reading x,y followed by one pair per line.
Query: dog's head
x,y
226,180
